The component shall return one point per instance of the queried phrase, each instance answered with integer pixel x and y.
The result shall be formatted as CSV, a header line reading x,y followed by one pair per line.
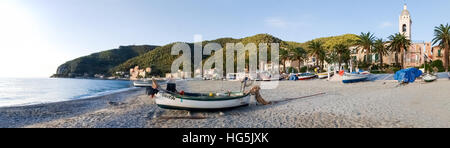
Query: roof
x,y
405,11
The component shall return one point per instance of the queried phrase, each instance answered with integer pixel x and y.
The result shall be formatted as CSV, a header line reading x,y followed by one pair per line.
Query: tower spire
x,y
404,5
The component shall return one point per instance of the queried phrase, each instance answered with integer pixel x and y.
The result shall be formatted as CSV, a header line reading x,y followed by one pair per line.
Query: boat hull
x,y
429,78
306,78
324,75
142,84
168,101
354,78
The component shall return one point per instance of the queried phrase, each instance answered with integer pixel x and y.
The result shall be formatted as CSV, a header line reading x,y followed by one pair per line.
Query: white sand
x,y
368,104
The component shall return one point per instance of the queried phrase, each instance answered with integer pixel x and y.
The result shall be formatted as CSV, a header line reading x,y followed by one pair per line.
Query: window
x,y
417,59
404,27
439,53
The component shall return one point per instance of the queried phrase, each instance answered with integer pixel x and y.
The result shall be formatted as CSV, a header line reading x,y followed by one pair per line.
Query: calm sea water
x,y
23,91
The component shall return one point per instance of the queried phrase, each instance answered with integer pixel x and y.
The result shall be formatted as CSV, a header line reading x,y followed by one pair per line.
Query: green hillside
x,y
330,42
160,59
101,62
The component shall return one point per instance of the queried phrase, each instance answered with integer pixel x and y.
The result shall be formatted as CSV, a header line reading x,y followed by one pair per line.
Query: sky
x,y
36,36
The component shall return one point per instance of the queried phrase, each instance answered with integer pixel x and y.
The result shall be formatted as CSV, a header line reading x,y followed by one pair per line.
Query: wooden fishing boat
x,y
235,76
306,76
264,76
429,78
353,78
198,101
324,75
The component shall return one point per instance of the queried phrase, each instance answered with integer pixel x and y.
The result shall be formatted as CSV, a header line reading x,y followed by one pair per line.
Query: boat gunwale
x,y
205,97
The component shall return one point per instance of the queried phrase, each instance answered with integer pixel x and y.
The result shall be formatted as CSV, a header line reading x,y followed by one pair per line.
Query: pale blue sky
x,y
66,29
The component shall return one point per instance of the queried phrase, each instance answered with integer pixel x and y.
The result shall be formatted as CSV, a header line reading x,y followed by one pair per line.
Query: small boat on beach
x,y
324,75
429,78
306,76
171,98
142,83
198,101
235,76
353,78
264,76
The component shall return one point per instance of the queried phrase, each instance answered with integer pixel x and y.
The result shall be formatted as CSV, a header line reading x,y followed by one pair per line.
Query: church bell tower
x,y
405,23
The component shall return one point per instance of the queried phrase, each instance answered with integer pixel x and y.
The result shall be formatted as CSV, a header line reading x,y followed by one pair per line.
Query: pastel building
x,y
136,73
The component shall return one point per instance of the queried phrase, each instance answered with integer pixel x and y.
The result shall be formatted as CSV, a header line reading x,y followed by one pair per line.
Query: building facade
x,y
436,53
414,55
136,73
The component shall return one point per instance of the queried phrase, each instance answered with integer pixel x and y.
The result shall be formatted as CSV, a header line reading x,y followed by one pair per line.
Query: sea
x,y
32,91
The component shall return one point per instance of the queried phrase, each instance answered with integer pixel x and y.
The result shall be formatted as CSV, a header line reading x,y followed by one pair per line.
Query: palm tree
x,y
399,43
317,50
298,54
284,56
442,36
341,51
365,41
393,48
380,48
322,58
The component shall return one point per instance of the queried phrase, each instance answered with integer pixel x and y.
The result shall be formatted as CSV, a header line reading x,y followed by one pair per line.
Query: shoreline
x,y
19,116
91,96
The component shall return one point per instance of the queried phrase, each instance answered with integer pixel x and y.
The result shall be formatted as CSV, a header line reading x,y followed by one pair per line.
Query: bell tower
x,y
405,22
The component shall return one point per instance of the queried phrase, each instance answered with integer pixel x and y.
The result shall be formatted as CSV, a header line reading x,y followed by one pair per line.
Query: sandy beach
x,y
369,104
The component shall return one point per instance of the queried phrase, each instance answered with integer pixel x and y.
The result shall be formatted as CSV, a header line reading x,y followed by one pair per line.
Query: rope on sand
x,y
290,99
255,91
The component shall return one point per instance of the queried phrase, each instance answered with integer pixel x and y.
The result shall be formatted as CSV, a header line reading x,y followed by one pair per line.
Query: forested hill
x,y
101,62
160,59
